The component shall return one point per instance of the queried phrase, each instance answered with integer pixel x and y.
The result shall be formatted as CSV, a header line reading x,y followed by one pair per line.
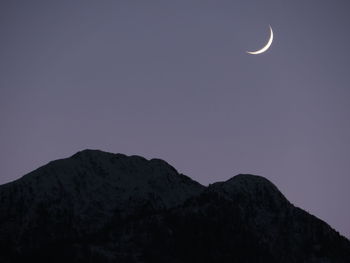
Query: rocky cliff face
x,y
102,207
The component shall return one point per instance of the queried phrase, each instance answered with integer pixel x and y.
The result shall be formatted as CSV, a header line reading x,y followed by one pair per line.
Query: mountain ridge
x,y
119,207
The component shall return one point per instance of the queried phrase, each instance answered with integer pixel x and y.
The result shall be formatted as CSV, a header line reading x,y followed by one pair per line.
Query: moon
x,y
266,47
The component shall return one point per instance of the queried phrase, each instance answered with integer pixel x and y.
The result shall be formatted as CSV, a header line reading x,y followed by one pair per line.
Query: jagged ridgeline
x,y
103,207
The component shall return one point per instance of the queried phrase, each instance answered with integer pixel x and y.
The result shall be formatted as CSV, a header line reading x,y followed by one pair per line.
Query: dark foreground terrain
x,y
102,207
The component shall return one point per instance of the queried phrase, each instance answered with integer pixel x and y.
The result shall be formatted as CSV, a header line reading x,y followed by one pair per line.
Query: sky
x,y
172,80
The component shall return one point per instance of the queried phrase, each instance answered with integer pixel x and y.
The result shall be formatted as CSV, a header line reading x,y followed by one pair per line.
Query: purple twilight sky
x,y
171,79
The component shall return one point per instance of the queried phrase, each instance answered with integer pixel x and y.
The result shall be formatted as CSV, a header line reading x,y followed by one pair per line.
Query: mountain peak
x,y
107,176
250,188
250,181
95,153
246,181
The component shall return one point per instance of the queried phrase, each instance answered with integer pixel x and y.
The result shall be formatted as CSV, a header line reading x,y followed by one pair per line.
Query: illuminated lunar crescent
x,y
266,47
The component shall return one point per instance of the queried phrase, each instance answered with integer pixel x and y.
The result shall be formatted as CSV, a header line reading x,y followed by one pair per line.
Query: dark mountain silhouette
x,y
102,207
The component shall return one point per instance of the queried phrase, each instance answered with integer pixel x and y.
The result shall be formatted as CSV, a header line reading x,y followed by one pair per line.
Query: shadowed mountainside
x,y
103,207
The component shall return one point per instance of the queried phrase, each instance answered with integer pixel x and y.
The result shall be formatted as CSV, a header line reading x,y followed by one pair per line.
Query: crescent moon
x,y
266,47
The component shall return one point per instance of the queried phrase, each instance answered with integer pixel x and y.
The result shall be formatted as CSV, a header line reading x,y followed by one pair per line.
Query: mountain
x,y
102,207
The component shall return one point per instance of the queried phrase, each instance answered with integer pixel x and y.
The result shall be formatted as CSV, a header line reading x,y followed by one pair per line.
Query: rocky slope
x,y
102,207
